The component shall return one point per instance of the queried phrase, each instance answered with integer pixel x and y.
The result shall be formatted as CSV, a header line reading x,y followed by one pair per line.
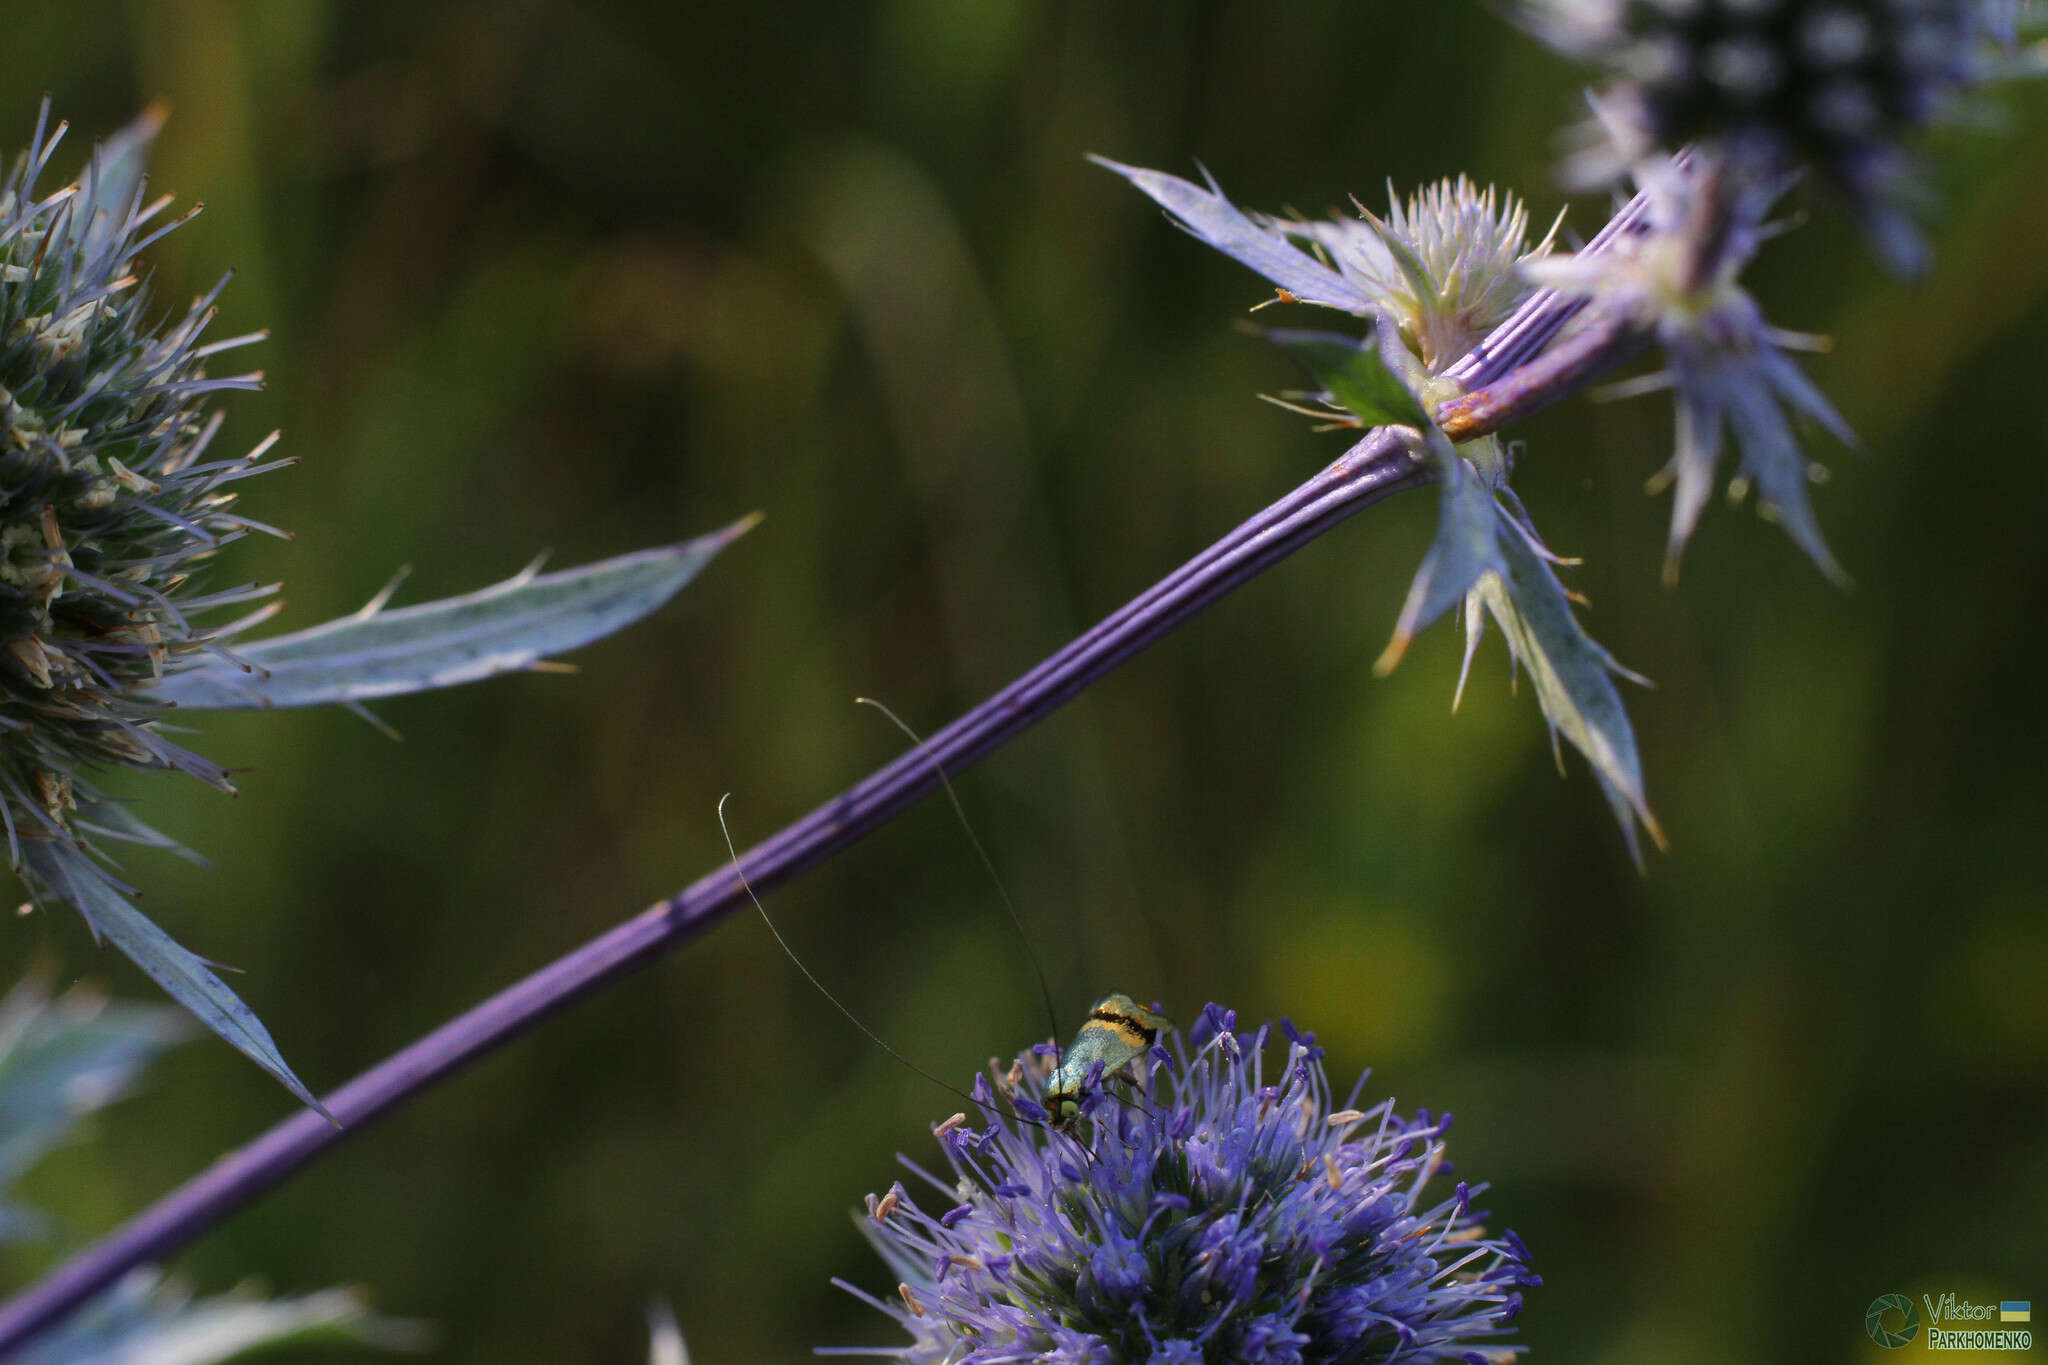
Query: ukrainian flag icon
x,y
2016,1310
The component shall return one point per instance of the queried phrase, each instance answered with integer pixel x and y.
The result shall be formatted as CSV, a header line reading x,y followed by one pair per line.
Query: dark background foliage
x,y
595,275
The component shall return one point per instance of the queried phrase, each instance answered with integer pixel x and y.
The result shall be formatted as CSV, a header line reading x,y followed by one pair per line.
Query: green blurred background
x,y
591,276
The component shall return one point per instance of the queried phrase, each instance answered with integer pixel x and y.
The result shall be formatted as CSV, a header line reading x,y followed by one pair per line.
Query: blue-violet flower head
x,y
1205,1214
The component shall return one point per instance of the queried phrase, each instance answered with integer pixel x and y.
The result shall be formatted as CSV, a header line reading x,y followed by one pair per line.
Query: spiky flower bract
x,y
1725,364
1440,277
1211,1215
112,505
1836,85
1442,264
110,502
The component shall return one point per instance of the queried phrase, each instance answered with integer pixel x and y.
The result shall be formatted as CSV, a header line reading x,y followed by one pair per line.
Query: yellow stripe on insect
x,y
1117,1031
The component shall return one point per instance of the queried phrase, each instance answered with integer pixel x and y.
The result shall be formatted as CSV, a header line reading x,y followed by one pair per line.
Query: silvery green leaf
x,y
664,1339
144,1320
508,626
1206,214
1573,675
72,875
1375,382
1355,375
113,820
60,1060
1465,549
18,1223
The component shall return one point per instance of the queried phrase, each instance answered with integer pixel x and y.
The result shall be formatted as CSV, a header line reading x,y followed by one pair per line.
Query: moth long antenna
x,y
811,976
1016,921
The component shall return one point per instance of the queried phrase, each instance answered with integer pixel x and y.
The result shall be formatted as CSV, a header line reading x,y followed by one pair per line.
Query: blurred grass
x,y
593,276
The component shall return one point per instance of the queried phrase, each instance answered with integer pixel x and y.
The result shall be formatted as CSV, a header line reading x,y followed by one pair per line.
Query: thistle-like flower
x,y
1837,85
1211,1216
1442,265
1439,275
110,502
1726,365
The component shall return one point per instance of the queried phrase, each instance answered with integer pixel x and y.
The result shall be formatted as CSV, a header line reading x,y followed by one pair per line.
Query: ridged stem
x,y
1378,465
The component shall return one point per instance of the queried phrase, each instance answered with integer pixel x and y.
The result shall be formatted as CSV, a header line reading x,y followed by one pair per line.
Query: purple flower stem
x,y
1540,316
1374,468
1601,342
1378,465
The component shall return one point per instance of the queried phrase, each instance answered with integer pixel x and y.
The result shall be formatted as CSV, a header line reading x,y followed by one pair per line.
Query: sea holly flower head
x,y
111,499
113,503
1442,265
1213,1214
1837,85
1431,278
1725,364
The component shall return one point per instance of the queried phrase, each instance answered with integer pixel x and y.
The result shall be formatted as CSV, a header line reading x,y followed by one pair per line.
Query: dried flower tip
x,y
53,790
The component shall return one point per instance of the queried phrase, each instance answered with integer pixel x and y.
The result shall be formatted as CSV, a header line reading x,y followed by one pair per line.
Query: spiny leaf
x,y
1465,549
1487,556
1572,673
1356,375
1206,214
1373,381
70,872
508,626
145,1319
60,1060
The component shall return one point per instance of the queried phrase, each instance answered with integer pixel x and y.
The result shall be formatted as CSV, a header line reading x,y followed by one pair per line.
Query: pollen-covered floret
x,y
111,500
1210,1215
